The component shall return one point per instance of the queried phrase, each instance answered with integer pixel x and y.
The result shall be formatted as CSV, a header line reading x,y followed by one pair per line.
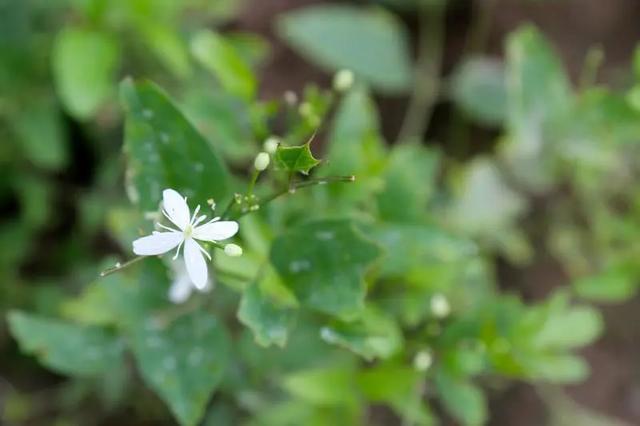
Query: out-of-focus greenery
x,y
349,295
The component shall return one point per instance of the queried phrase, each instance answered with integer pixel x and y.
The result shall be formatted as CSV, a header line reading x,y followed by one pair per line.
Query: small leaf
x,y
183,362
66,347
478,88
296,158
372,336
269,321
219,56
463,400
165,151
332,386
368,41
84,66
613,285
323,264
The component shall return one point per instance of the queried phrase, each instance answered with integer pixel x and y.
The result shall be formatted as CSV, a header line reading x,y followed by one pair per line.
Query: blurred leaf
x,y
40,128
478,88
66,347
570,328
374,335
560,369
463,400
84,66
183,361
269,321
252,48
295,158
168,46
330,386
322,263
612,285
370,42
165,151
538,97
409,183
220,57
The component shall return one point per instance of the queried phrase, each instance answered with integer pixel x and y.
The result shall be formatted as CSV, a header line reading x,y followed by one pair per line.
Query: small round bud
x,y
423,360
440,307
261,162
305,109
233,250
290,97
271,144
343,80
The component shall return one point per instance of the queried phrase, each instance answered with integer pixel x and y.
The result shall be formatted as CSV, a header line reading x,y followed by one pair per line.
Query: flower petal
x,y
176,208
180,289
216,231
156,243
196,265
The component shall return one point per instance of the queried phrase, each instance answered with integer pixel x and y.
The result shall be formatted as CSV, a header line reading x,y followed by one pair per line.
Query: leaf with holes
x,y
323,264
65,347
183,361
165,151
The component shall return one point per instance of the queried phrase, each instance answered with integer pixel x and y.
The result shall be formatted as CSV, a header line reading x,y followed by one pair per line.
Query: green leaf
x,y
368,41
66,347
324,386
84,66
613,285
269,321
560,369
539,97
167,45
463,400
374,335
409,183
569,328
478,88
184,361
165,151
323,263
220,57
296,158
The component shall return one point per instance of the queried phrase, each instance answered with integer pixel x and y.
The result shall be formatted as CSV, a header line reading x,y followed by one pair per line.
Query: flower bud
x,y
343,80
440,307
261,162
271,144
233,250
423,360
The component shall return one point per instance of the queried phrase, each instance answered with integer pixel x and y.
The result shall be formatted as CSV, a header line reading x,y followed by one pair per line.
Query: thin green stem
x,y
252,182
426,73
292,187
120,266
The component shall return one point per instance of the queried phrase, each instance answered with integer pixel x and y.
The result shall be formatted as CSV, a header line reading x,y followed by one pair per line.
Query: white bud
x,y
423,360
261,162
343,80
305,109
290,97
233,250
440,307
271,144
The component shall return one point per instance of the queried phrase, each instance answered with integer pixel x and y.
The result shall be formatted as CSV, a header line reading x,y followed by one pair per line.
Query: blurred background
x,y
62,179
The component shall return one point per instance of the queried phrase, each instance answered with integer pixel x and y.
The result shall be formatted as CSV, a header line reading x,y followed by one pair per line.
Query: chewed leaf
x,y
296,158
164,150
323,264
69,348
183,362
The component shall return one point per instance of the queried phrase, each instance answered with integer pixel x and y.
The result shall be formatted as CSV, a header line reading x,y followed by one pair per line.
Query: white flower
x,y
423,360
175,208
440,307
182,286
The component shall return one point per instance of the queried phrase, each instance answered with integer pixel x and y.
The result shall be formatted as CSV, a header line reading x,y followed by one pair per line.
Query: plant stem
x,y
119,266
426,73
294,186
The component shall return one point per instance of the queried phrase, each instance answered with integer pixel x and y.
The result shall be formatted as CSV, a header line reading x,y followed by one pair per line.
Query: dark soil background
x,y
573,26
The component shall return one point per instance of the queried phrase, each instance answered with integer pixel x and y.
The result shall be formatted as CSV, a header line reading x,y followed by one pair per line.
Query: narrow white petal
x,y
216,231
180,289
176,208
156,243
196,265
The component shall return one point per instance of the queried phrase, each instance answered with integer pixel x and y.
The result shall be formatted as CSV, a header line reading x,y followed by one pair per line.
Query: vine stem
x,y
294,186
426,72
119,266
